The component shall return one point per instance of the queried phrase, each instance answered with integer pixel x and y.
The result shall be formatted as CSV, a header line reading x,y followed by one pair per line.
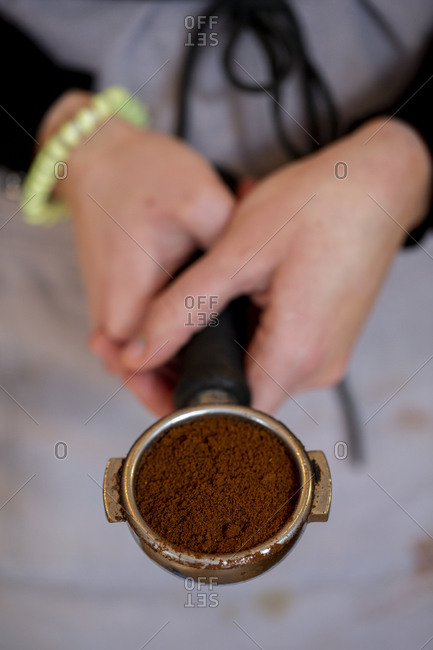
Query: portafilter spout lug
x,y
111,490
322,487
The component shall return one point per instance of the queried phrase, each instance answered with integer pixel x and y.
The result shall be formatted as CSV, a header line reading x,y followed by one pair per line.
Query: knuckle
x,y
116,328
206,199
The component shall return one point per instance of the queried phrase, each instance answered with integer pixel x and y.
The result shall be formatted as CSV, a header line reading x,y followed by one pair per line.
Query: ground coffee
x,y
218,485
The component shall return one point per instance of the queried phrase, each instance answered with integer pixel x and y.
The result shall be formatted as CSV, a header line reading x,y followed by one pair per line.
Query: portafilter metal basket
x,y
212,384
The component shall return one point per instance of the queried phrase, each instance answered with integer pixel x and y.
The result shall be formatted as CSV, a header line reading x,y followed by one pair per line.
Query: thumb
x,y
189,303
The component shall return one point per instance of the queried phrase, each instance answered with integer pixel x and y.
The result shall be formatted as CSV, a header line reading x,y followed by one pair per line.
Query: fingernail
x,y
135,348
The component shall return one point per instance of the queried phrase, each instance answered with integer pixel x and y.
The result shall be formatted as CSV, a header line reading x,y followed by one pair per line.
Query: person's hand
x,y
141,203
312,251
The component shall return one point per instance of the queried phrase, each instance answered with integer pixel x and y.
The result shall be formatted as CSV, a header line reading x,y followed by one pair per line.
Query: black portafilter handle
x,y
211,363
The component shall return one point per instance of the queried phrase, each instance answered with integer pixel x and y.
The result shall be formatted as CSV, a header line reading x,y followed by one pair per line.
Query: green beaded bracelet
x,y
36,203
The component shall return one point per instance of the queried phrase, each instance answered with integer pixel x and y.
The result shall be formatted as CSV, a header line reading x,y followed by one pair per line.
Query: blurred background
x,y
69,579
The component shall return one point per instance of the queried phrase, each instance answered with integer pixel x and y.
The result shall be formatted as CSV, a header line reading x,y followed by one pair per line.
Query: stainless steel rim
x,y
285,537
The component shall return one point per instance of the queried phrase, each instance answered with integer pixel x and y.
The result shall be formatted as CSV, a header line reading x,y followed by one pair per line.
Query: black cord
x,y
353,423
276,31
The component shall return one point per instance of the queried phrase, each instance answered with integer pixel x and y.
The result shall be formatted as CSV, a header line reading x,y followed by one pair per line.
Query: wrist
x,y
401,164
37,202
62,110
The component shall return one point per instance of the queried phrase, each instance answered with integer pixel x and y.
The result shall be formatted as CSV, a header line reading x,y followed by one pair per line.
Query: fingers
x,y
107,350
273,362
133,229
153,391
123,266
234,266
278,367
186,305
303,337
127,293
204,212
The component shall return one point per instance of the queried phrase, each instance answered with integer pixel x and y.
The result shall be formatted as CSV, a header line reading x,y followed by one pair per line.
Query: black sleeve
x,y
28,88
415,106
